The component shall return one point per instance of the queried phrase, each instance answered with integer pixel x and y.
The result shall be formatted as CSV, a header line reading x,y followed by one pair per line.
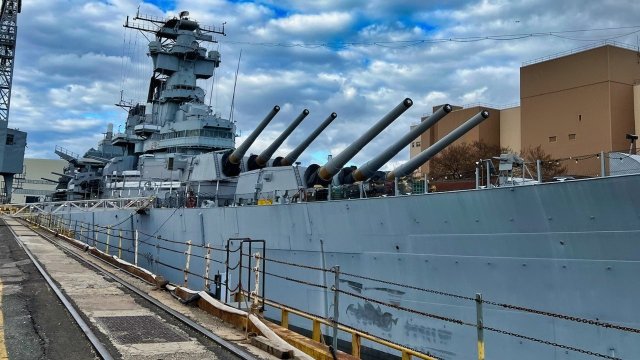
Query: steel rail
x,y
242,354
91,336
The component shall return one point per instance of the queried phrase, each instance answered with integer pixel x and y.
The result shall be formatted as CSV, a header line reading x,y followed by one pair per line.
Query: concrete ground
x,y
33,322
127,325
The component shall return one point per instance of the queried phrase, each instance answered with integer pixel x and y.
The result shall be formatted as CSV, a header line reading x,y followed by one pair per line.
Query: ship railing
x,y
356,335
65,151
546,168
54,207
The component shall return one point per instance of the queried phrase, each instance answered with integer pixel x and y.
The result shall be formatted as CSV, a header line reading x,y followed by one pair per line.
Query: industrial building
x,y
576,103
31,186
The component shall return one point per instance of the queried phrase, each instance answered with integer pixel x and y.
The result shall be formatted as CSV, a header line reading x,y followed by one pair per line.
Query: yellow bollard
x,y
317,334
285,319
355,345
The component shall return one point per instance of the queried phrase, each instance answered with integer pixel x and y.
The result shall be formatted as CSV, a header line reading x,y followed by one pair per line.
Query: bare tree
x,y
458,162
550,167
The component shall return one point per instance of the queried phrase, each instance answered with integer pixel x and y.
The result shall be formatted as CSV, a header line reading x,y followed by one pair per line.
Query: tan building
x,y
581,103
414,149
30,186
488,131
572,105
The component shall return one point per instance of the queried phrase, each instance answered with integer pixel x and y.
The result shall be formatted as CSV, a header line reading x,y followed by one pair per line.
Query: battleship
x,y
566,248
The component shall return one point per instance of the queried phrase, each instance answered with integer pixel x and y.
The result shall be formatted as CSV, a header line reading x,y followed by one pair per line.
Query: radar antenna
x,y
161,27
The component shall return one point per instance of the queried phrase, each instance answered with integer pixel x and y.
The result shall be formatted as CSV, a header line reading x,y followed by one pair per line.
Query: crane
x,y
12,141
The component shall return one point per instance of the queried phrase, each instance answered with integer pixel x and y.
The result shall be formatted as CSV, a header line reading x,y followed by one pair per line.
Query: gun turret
x,y
368,169
260,161
316,175
231,160
293,155
411,165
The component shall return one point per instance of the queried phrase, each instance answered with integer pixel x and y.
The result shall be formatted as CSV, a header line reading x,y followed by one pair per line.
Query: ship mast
x,y
175,118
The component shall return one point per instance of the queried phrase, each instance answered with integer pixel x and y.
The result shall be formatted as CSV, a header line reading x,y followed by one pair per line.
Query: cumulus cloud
x,y
359,59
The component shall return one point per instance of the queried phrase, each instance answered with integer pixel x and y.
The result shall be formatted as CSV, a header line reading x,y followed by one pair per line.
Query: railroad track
x,y
110,327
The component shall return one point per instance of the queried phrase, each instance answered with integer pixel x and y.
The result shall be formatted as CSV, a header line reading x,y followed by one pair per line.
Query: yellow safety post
x,y
480,326
285,319
316,331
356,341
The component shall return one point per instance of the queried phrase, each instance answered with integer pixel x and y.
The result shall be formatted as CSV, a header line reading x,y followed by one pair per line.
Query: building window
x,y
9,139
572,136
580,117
417,143
553,139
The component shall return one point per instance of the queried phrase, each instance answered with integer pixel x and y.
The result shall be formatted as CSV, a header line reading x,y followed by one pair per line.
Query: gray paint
x,y
569,247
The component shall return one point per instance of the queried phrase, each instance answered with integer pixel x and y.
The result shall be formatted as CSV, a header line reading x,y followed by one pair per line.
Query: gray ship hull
x,y
569,248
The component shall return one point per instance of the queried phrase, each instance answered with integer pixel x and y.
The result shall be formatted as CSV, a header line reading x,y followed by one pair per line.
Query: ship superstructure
x,y
162,135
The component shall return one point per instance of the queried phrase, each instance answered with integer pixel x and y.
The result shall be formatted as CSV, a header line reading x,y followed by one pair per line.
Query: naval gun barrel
x,y
260,161
291,158
369,168
411,165
322,175
63,175
231,161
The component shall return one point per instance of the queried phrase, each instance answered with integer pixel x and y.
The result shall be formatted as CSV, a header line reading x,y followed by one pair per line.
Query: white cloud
x,y
73,58
329,22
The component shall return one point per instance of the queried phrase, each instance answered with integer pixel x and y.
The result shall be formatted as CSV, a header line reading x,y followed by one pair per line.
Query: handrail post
x,y
186,265
207,263
602,164
226,276
480,326
217,280
336,311
135,249
489,186
106,250
120,244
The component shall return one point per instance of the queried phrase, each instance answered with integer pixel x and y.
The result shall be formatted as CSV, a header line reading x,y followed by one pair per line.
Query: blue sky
x,y
164,5
357,58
